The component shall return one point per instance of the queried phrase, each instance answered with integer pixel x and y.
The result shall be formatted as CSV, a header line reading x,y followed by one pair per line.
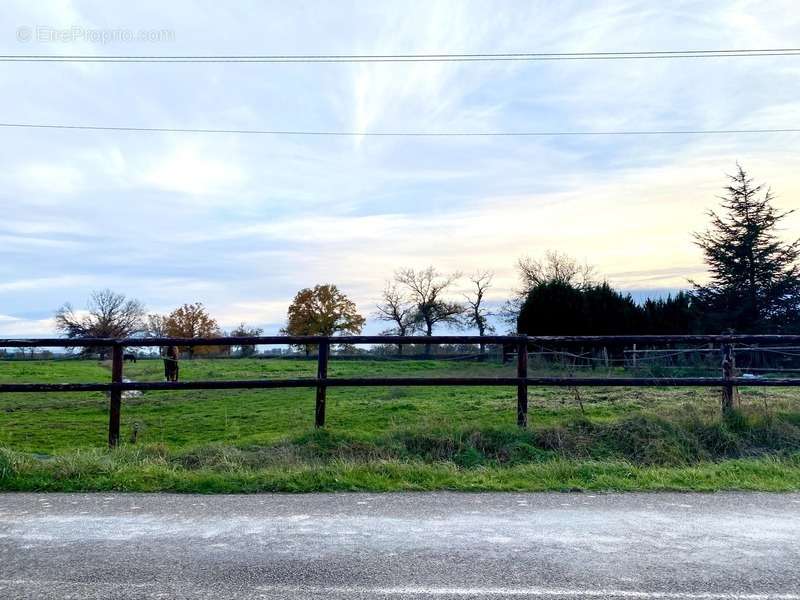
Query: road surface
x,y
395,546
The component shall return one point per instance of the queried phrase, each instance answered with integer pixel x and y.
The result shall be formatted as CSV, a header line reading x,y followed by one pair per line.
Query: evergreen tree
x,y
560,308
754,275
609,312
553,308
673,315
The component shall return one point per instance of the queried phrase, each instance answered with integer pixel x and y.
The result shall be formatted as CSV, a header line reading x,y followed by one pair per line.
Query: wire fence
x,y
618,361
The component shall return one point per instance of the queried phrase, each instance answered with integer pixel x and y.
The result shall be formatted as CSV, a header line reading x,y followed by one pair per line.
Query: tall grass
x,y
638,453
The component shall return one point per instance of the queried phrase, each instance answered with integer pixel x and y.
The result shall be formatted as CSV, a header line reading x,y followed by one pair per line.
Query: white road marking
x,y
550,593
534,592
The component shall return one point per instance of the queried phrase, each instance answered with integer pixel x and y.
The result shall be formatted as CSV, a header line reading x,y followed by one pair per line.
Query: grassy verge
x,y
107,474
640,452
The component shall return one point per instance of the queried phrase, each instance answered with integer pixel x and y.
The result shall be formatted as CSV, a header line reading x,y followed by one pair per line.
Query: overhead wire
x,y
383,58
333,133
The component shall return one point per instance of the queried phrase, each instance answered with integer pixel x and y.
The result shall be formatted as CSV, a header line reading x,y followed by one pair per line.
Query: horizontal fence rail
x,y
312,382
517,345
533,340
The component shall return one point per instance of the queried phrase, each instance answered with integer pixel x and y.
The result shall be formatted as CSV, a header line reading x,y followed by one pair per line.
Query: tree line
x,y
112,315
753,286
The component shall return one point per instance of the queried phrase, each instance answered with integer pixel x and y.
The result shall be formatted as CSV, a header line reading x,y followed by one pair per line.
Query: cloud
x,y
42,283
11,327
230,315
44,226
242,222
44,180
642,220
187,170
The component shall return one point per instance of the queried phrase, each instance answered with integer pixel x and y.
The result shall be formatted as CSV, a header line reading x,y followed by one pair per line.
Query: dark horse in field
x,y
129,356
171,363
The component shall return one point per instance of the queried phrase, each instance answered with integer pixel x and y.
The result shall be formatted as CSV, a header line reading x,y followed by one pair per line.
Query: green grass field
x,y
388,438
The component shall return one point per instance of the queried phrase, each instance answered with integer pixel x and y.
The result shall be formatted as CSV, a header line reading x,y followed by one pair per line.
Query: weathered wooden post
x,y
635,362
115,397
729,373
322,373
522,386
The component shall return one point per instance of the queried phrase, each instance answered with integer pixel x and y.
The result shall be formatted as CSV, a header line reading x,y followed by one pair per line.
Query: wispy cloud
x,y
242,222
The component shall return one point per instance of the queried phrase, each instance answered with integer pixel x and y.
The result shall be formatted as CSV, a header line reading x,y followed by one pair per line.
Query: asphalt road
x,y
337,546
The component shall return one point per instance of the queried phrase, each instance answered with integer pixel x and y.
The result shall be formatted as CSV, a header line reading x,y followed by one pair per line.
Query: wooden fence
x,y
727,382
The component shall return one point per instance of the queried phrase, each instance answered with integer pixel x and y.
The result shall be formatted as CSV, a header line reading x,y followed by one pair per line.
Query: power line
x,y
322,133
443,57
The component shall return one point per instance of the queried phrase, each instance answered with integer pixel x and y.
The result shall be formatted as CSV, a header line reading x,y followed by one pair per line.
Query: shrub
x,y
213,456
652,441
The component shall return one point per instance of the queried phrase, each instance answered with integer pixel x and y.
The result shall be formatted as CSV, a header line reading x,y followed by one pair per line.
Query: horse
x,y
171,363
129,357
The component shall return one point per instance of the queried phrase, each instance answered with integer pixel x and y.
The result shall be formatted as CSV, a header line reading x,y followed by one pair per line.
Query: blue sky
x,y
242,222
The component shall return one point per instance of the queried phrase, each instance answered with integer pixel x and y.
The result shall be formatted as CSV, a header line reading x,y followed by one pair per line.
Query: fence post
x,y
115,397
728,372
522,387
322,373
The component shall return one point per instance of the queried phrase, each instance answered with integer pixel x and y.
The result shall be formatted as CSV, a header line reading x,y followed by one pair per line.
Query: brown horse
x,y
171,363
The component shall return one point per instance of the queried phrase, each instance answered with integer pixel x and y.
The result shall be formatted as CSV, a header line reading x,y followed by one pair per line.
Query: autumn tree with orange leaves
x,y
193,321
322,310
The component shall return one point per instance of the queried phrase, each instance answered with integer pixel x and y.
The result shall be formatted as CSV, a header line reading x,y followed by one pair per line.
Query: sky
x,y
242,222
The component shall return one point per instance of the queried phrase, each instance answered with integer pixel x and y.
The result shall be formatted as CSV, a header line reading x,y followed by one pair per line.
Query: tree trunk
x,y
428,333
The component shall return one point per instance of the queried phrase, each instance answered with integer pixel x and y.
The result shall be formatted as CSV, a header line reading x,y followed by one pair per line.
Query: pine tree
x,y
754,283
673,315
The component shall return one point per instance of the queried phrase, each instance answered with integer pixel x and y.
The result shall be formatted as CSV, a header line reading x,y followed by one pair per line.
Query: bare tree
x,y
555,266
157,326
107,315
426,288
476,316
396,308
